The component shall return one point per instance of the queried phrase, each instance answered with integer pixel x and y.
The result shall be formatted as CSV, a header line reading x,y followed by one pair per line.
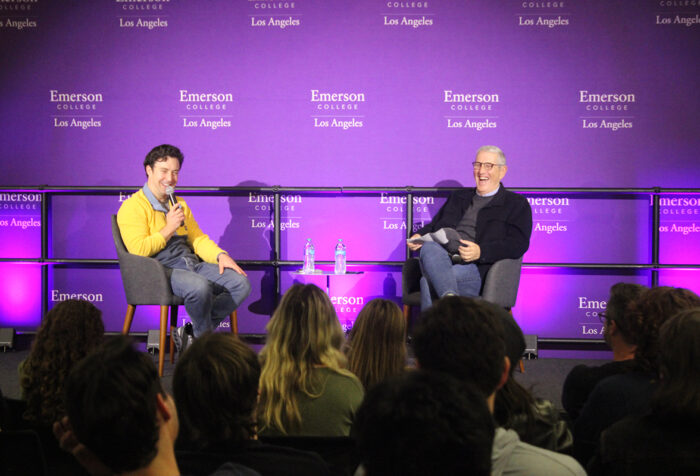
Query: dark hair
x,y
111,403
463,338
377,346
160,153
621,295
678,393
216,389
646,316
68,332
424,423
514,406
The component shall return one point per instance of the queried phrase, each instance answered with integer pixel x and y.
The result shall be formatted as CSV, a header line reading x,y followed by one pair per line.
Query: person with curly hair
x,y
69,331
377,347
630,393
666,440
304,388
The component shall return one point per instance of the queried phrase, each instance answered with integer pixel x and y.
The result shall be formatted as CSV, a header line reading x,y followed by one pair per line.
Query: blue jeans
x,y
443,277
209,296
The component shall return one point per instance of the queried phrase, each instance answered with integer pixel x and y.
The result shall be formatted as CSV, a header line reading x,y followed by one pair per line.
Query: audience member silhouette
x,y
120,420
618,396
424,423
304,388
618,334
68,332
216,390
666,440
536,421
377,344
465,339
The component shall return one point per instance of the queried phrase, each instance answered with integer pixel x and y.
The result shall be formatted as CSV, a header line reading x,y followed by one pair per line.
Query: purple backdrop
x,y
351,93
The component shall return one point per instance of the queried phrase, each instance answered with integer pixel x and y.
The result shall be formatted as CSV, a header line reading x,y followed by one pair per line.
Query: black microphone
x,y
170,192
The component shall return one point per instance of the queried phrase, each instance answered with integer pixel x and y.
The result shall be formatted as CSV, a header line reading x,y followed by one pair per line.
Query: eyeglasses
x,y
602,316
486,165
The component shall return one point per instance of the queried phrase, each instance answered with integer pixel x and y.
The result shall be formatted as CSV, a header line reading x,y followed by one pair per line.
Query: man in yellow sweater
x,y
205,276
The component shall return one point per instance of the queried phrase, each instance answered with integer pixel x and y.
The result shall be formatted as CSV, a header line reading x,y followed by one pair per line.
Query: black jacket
x,y
503,226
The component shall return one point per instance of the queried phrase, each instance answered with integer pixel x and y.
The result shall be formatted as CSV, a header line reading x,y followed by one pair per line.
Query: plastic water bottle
x,y
340,253
309,257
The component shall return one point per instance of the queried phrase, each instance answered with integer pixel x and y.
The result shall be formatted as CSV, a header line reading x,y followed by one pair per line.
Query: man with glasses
x,y
486,223
619,336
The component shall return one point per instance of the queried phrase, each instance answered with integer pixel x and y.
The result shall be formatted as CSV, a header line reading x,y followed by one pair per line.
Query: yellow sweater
x,y
140,227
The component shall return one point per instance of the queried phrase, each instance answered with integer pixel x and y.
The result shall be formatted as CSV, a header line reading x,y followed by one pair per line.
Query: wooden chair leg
x,y
234,322
130,310
522,366
173,328
161,348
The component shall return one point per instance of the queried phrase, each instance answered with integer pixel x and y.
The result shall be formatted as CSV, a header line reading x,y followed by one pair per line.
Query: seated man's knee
x,y
430,247
237,285
245,287
199,287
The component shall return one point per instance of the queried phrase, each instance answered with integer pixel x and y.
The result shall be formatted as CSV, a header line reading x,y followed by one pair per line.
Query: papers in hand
x,y
442,236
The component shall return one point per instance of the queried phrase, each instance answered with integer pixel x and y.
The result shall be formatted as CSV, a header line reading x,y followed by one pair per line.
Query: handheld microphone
x,y
170,192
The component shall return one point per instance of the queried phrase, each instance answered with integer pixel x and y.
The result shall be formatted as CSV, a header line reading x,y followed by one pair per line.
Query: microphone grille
x,y
169,190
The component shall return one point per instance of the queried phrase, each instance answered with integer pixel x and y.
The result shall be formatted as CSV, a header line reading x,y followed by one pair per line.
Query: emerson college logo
x,y
17,15
204,110
337,109
607,110
139,14
470,110
263,207
274,14
406,14
543,14
680,215
76,109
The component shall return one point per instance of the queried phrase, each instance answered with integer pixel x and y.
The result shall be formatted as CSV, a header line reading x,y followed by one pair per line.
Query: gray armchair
x,y
147,282
500,286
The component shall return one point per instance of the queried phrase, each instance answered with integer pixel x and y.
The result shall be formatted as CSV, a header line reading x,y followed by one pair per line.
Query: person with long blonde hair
x,y
304,388
377,348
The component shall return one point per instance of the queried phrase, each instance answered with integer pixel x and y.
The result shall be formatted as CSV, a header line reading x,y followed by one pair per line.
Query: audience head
x,y
68,332
302,334
646,316
513,401
117,407
464,338
424,423
679,366
216,388
617,314
377,347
